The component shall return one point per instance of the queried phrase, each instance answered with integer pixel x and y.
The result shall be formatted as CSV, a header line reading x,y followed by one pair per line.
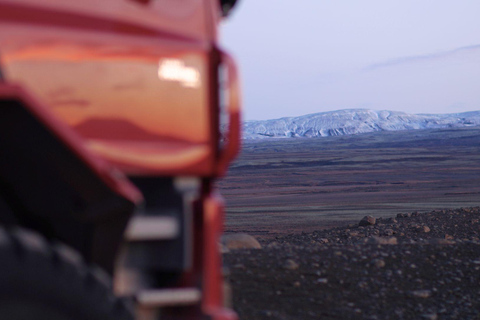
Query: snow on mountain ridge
x,y
353,121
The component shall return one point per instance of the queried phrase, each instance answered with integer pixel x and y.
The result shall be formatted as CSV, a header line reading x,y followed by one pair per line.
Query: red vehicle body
x,y
111,139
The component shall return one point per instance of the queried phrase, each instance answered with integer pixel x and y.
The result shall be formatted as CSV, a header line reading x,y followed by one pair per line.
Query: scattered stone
x,y
421,229
239,241
379,263
437,280
404,215
381,240
367,221
440,241
393,220
274,245
290,265
421,294
388,232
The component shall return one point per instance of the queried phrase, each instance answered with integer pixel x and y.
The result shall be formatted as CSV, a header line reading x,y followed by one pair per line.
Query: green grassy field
x,y
280,186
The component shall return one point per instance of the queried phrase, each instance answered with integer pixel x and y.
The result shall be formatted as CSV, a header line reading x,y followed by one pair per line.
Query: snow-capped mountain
x,y
354,121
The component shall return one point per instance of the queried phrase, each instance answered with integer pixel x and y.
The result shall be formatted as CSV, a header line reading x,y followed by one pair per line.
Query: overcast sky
x,y
300,57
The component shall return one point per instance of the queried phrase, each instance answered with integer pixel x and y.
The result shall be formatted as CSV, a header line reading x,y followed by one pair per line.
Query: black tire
x,y
40,281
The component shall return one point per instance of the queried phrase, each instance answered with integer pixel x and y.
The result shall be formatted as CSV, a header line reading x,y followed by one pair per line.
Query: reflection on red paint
x,y
176,70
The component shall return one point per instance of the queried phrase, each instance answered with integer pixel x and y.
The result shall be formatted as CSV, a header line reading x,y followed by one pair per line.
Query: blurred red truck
x,y
116,116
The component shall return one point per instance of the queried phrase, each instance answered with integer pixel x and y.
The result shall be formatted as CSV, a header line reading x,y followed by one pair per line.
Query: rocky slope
x,y
413,266
354,121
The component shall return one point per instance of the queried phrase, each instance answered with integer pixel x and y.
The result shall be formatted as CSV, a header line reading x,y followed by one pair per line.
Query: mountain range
x,y
354,121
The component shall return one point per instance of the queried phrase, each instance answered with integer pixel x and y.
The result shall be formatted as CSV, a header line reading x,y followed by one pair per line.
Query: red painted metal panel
x,y
212,303
185,19
142,92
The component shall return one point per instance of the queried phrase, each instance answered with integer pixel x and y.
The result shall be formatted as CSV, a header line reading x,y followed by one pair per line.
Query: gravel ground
x,y
414,266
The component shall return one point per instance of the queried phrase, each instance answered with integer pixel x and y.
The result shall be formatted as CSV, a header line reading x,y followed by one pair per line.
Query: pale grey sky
x,y
300,57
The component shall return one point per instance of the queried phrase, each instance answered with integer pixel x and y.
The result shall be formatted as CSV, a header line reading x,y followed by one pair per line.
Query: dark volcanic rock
x,y
367,221
290,265
357,275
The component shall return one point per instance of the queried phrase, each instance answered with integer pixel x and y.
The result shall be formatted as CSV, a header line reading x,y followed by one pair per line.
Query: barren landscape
x,y
280,186
416,266
304,198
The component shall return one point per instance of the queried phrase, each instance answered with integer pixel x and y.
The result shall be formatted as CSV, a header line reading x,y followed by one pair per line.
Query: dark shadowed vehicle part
x,y
227,6
42,281
51,190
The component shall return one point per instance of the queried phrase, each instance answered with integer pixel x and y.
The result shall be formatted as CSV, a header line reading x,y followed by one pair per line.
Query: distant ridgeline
x,y
354,121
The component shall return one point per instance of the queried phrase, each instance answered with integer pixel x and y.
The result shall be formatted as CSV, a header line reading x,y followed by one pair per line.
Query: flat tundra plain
x,y
285,186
